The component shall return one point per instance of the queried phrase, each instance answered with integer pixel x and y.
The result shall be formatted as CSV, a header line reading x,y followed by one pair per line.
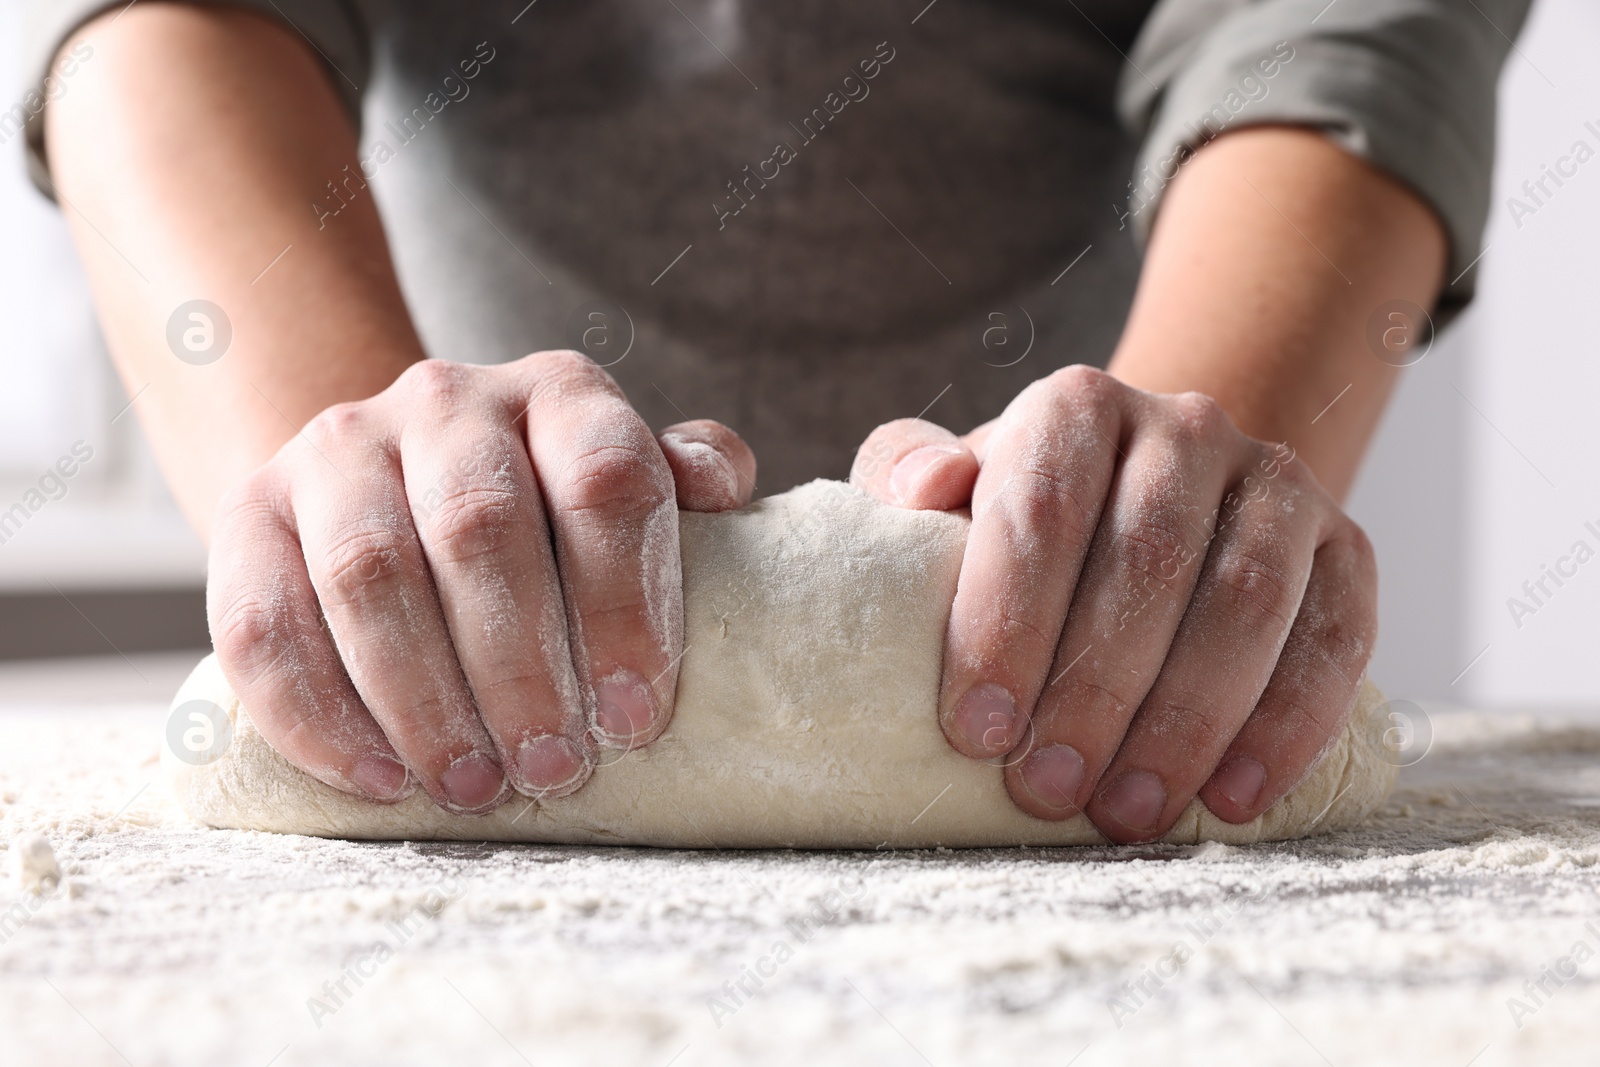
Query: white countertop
x,y
1398,942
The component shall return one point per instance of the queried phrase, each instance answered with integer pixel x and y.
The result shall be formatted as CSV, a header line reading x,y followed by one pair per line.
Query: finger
x,y
915,464
1137,580
1313,689
477,512
712,468
267,630
977,439
1034,511
372,580
613,511
1220,661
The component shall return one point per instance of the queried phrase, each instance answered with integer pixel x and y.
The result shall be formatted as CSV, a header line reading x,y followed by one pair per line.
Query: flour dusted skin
x,y
806,717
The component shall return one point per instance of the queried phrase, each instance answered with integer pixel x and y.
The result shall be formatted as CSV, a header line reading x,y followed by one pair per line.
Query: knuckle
x,y
509,684
619,608
307,731
1251,488
1154,546
1197,420
435,381
556,360
337,425
356,566
1310,716
1256,589
1022,637
1349,647
1278,466
564,377
248,625
613,483
1045,507
1107,706
1080,382
1083,402
1297,478
246,507
426,725
1186,726
519,700
246,631
428,708
565,369
1343,637
1337,623
470,522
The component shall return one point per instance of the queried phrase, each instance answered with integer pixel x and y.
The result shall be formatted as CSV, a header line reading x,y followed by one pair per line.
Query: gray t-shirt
x,y
806,219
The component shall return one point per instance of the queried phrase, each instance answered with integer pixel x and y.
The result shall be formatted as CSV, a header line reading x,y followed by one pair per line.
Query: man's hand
x,y
1152,606
1155,605
452,574
466,580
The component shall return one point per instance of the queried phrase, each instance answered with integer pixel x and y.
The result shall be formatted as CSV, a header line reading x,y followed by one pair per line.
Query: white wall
x,y
1539,380
1485,468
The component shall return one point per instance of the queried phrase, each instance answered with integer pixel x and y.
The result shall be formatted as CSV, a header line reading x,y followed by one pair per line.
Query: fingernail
x,y
473,783
1241,781
985,717
1053,775
1135,800
906,473
624,709
381,777
551,766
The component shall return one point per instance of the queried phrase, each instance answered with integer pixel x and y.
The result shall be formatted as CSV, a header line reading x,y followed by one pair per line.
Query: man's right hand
x,y
451,583
467,581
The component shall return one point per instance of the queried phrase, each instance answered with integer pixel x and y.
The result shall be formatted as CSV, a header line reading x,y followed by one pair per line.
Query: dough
x,y
814,625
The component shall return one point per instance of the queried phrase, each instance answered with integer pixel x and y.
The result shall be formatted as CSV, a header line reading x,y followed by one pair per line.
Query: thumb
x,y
915,464
713,468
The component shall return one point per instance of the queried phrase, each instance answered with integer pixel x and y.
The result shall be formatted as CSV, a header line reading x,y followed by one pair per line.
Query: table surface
x,y
1459,922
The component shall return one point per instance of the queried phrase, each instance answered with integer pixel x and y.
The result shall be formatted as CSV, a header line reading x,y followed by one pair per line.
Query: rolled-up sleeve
x,y
1408,85
332,28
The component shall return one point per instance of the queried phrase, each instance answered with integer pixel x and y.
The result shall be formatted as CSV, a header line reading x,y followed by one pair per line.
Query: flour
x,y
1399,941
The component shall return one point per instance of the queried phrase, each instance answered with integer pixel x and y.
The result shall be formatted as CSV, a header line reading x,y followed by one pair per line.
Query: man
x,y
807,222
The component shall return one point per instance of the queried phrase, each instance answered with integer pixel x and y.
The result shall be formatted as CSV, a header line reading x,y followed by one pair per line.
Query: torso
x,y
912,241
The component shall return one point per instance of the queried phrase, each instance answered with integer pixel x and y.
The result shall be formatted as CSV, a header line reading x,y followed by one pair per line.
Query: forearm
x,y
186,159
1273,249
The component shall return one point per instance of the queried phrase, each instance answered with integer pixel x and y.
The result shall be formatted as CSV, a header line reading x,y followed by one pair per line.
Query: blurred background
x,y
1483,474
1485,469
109,565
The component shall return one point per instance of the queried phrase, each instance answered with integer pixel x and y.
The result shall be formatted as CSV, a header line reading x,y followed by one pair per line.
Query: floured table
x,y
1399,942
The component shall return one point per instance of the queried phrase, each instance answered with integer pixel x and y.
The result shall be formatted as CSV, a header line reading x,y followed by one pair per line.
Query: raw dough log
x,y
814,625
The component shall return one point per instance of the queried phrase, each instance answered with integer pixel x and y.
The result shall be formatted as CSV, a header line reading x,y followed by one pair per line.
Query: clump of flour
x,y
33,864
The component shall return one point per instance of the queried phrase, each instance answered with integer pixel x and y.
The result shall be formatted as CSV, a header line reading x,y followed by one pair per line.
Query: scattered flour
x,y
1399,942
